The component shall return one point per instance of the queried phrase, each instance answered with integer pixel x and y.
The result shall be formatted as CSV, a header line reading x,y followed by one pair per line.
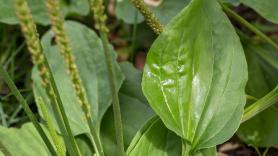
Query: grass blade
x,y
26,108
262,104
252,28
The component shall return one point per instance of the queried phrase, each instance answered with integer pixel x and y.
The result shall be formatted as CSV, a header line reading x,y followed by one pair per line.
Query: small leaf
x,y
266,8
195,75
88,51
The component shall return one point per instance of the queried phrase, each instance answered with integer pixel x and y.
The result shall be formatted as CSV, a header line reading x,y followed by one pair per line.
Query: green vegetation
x,y
71,84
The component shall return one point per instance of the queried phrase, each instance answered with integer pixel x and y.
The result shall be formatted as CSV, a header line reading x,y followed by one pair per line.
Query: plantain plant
x,y
204,81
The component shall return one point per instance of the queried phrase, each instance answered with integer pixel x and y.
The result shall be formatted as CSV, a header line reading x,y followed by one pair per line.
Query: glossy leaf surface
x,y
266,8
191,78
88,52
7,13
261,130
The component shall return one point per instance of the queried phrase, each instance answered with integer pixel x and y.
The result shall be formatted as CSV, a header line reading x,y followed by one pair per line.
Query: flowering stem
x,y
29,31
116,104
100,17
152,21
61,38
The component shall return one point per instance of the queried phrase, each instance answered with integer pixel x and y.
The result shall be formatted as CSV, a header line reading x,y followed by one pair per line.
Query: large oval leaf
x,y
88,51
266,8
195,75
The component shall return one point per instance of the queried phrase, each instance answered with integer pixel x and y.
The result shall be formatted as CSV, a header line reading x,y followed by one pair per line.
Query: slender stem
x,y
249,26
115,101
15,113
29,30
134,34
61,116
27,109
14,54
100,17
152,21
96,140
3,115
53,9
257,150
266,151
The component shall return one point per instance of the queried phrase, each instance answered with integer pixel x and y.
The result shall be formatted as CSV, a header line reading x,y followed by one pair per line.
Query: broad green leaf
x,y
164,12
23,141
88,51
266,8
154,139
195,75
260,130
7,13
134,108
